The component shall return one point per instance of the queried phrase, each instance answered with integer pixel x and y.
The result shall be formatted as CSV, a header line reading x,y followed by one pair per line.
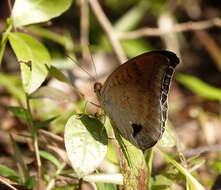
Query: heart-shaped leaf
x,y
34,11
33,57
85,142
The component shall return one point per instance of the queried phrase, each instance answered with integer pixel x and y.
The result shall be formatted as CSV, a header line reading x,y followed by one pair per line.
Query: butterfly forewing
x,y
135,97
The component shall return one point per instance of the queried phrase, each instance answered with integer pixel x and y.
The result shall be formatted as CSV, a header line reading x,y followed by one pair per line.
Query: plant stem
x,y
149,162
34,135
37,150
80,183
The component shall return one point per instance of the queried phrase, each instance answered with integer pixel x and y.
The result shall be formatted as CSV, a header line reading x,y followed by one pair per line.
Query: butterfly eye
x,y
97,87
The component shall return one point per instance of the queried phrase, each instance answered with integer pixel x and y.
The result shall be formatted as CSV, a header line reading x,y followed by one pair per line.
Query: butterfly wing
x,y
134,97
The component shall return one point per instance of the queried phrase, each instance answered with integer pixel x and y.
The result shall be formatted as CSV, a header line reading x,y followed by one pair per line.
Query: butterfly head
x,y
97,89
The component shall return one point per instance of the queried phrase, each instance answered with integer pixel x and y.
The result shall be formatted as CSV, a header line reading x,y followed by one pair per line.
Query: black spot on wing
x,y
136,129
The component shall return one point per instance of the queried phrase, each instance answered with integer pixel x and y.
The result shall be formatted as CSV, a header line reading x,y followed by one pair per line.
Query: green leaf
x,y
135,174
31,182
50,157
51,93
102,186
132,163
54,72
132,18
64,40
216,165
33,57
191,181
112,153
34,11
135,47
5,171
9,173
201,88
168,139
44,123
14,86
20,112
86,143
162,182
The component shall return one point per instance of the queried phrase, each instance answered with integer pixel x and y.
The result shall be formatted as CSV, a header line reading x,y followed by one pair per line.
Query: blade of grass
x,y
19,160
199,87
191,182
9,173
50,157
131,18
44,123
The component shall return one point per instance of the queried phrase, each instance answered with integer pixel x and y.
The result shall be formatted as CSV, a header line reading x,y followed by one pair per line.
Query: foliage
x,y
86,137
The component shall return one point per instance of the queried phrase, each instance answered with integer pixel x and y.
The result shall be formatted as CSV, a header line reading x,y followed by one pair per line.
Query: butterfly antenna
x,y
92,60
76,62
98,106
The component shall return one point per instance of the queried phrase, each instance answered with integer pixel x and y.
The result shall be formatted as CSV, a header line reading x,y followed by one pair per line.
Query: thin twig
x,y
34,134
106,25
196,167
10,6
37,150
85,30
7,184
80,184
51,183
116,178
183,27
204,149
211,46
180,150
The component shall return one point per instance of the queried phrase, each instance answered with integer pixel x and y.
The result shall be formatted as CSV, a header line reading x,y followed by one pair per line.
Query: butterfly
x,y
134,97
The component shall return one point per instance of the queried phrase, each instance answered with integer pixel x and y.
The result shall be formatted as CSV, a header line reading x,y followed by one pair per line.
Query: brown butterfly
x,y
134,96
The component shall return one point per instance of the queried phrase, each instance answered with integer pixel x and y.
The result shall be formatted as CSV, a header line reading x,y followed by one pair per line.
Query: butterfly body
x,y
134,97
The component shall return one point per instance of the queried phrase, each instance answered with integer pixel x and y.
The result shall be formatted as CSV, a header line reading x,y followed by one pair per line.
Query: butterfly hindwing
x,y
135,97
